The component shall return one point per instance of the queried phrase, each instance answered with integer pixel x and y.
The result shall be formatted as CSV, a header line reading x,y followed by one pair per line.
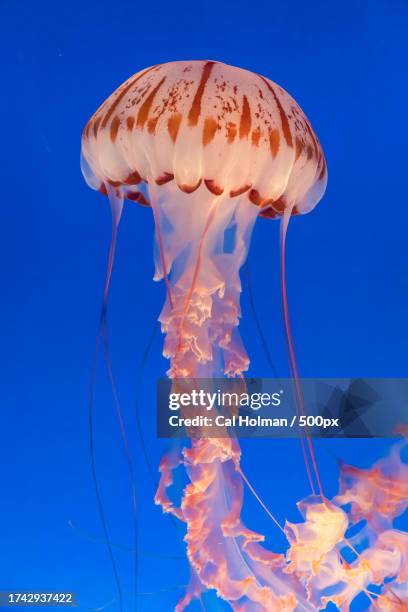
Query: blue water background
x,y
345,63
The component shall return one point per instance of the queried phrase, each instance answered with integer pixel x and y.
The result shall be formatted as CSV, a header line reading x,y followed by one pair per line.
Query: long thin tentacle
x,y
116,207
127,453
292,360
258,323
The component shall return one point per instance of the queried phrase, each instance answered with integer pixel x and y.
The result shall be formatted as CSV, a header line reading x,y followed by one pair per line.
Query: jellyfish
x,y
210,148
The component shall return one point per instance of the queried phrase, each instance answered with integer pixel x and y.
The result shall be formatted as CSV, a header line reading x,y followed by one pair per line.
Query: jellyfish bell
x,y
209,147
206,123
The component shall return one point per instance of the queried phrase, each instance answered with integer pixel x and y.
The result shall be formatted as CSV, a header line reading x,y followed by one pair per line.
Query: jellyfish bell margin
x,y
210,147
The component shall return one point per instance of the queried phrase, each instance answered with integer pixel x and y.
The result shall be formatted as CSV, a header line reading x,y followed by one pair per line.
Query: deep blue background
x,y
345,64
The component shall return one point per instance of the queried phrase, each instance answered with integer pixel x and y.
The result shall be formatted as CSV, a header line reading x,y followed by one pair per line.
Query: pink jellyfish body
x,y
210,147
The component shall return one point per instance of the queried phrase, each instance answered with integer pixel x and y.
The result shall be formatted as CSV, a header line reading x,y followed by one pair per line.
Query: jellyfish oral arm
x,y
204,242
201,323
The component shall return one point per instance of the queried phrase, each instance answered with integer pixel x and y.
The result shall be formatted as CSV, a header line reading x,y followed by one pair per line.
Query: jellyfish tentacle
x,y
116,210
165,270
255,494
292,374
137,411
292,358
127,453
116,202
258,323
91,443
